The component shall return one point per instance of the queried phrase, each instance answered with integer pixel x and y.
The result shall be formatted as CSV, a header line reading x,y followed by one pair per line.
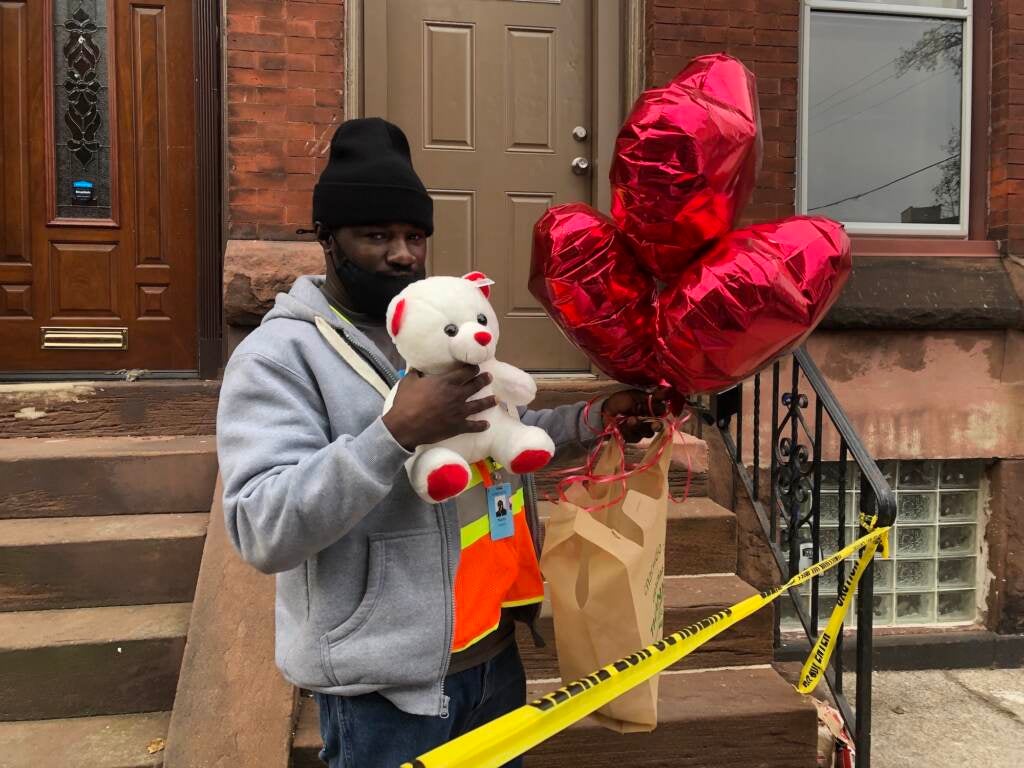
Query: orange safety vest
x,y
491,574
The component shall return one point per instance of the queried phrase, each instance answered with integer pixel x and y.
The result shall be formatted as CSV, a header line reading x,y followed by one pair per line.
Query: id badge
x,y
499,510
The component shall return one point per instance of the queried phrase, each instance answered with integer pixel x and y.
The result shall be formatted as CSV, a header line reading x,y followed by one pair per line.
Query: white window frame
x,y
886,9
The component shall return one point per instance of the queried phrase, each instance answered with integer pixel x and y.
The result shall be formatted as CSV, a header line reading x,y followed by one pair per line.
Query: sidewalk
x,y
964,717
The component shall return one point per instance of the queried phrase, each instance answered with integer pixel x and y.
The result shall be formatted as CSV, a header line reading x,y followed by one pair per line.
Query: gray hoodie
x,y
315,491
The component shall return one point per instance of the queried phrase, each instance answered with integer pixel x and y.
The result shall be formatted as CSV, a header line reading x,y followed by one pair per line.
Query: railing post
x,y
865,629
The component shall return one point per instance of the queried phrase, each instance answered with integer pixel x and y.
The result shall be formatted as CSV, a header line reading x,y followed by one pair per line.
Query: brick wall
x,y
283,93
1006,170
764,35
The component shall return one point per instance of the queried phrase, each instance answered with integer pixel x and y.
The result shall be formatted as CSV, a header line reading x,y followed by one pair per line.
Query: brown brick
x,y
247,180
300,165
257,77
314,45
267,26
302,212
301,28
301,62
284,231
271,8
240,59
271,61
287,131
319,11
239,24
329,29
330,64
241,230
310,114
290,95
259,162
328,97
242,128
258,212
260,43
300,181
314,80
257,112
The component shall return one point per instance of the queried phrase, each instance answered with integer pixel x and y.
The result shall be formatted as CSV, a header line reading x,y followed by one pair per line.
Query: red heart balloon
x,y
685,162
755,294
585,276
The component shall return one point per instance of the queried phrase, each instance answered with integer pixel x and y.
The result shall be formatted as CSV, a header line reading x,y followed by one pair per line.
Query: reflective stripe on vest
x,y
492,574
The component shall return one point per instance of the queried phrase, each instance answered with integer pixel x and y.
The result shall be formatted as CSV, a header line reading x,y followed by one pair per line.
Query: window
x,y
885,115
932,575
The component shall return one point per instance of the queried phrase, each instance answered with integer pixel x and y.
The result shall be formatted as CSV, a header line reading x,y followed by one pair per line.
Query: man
x,y
404,648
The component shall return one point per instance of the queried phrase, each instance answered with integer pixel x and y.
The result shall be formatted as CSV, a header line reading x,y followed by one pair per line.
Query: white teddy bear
x,y
436,324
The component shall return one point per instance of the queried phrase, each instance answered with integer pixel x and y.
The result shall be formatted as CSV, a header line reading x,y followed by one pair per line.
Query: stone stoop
x,y
100,544
721,706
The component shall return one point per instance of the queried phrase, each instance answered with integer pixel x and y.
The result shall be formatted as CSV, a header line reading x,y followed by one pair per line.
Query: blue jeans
x,y
369,731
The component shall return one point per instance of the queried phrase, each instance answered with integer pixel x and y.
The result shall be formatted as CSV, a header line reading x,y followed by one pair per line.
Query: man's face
x,y
388,249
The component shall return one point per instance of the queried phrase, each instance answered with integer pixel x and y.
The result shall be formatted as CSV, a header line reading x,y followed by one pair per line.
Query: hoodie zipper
x,y
450,625
385,369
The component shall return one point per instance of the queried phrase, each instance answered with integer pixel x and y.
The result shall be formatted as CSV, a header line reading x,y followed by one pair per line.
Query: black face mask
x,y
371,292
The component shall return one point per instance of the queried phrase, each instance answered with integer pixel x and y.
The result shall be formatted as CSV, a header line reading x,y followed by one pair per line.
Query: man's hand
x,y
428,409
635,411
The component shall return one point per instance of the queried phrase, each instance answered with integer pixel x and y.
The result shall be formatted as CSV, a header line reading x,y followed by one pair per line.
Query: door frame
x,y
207,25
618,80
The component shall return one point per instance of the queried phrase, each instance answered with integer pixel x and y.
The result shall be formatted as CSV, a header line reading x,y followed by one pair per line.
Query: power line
x,y
883,186
854,95
936,73
855,82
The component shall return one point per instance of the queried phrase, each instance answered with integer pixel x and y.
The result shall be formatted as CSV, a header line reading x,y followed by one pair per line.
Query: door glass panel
x,y
82,109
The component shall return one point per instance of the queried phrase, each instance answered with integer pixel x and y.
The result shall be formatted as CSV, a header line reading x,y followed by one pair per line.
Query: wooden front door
x,y
97,177
489,93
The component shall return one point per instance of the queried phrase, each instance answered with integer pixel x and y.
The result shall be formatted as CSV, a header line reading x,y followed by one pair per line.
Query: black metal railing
x,y
791,510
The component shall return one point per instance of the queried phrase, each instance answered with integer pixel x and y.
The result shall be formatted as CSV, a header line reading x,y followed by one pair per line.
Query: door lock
x,y
580,133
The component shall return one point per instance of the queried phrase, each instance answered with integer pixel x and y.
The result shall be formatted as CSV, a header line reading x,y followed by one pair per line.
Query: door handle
x,y
580,166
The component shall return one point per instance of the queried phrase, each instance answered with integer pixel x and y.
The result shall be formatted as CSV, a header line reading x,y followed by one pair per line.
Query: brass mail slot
x,y
84,338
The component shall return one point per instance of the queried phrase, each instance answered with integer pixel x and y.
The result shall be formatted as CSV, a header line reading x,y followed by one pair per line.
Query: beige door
x,y
489,93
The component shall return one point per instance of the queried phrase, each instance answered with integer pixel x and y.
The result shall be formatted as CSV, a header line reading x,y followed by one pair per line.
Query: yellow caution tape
x,y
494,744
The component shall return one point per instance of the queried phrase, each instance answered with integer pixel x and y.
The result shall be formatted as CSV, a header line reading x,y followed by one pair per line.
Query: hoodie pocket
x,y
396,636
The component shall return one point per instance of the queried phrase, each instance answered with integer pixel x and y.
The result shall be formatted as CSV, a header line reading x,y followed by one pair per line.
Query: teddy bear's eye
x,y
482,319
451,329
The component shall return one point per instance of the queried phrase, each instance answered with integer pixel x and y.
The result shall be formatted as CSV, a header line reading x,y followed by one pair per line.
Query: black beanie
x,y
369,179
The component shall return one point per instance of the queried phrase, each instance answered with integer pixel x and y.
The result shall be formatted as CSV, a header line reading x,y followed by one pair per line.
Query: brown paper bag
x,y
605,571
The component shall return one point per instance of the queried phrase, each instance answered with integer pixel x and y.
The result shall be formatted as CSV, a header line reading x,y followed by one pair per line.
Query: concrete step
x,y
688,599
112,741
88,476
108,408
90,661
743,716
746,716
78,562
700,537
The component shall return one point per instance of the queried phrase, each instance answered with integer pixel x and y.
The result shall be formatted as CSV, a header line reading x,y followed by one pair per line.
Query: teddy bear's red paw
x,y
446,481
529,461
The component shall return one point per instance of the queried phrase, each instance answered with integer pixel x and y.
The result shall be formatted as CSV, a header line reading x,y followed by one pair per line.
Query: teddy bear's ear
x,y
481,281
395,321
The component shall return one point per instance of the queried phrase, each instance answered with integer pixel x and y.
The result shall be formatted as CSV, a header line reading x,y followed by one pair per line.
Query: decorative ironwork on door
x,y
82,115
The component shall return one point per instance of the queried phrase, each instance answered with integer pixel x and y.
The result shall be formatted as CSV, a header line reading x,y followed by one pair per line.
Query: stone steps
x,y
79,562
89,476
688,599
104,741
90,661
742,716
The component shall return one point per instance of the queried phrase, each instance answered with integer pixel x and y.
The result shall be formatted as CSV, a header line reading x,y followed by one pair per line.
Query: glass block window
x,y
932,575
82,109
